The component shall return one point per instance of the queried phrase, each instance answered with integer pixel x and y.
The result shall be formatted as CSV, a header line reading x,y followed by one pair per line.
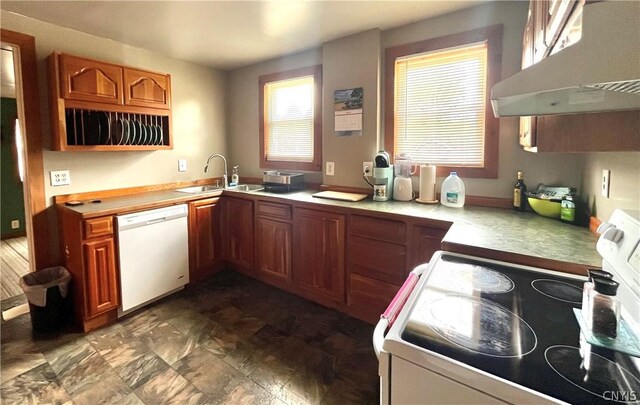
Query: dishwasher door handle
x,y
156,221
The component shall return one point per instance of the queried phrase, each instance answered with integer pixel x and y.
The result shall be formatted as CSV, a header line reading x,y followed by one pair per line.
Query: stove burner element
x,y
466,278
594,374
481,326
558,290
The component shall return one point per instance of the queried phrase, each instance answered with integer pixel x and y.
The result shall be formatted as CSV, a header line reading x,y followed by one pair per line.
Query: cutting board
x,y
337,195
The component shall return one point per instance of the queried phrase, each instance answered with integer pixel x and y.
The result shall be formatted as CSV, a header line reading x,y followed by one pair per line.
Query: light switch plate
x,y
330,169
182,165
606,178
60,178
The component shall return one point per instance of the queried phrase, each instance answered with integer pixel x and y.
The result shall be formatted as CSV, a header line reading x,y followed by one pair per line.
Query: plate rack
x,y
107,128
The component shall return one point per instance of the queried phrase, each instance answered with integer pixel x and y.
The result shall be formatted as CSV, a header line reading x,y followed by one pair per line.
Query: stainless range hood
x,y
601,72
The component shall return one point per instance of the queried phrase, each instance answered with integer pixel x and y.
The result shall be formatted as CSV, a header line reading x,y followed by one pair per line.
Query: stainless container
x,y
276,177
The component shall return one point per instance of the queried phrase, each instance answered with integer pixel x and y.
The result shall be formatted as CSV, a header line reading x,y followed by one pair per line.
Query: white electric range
x,y
468,330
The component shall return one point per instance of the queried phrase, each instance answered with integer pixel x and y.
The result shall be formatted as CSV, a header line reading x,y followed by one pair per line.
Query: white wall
x,y
242,104
347,63
624,191
354,61
550,169
199,127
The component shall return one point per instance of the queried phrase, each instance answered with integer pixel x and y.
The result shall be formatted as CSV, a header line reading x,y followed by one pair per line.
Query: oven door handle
x,y
389,316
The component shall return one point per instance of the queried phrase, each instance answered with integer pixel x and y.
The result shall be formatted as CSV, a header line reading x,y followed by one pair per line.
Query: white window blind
x,y
440,105
289,114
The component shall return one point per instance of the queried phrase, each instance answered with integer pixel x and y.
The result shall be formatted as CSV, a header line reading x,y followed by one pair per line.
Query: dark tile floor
x,y
230,340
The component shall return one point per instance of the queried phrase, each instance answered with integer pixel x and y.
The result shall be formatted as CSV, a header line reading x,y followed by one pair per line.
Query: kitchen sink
x,y
199,189
247,187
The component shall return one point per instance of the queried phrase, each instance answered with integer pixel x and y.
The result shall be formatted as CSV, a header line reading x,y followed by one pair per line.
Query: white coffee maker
x,y
402,187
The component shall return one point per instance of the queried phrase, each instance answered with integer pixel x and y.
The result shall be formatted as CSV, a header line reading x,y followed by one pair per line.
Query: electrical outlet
x,y
330,169
606,178
182,165
60,177
15,224
367,168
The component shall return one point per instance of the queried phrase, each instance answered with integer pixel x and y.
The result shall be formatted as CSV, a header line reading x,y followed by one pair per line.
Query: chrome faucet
x,y
224,175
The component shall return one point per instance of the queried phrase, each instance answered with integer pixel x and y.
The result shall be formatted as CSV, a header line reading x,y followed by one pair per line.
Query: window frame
x,y
316,163
493,36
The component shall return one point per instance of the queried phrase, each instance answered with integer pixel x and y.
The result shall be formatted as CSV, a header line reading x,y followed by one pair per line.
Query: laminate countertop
x,y
501,234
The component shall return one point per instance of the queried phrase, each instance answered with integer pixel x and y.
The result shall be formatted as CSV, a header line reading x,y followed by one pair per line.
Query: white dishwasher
x,y
154,255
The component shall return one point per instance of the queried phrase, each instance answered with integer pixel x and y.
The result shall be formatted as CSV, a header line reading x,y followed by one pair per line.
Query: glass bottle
x,y
587,289
519,194
605,309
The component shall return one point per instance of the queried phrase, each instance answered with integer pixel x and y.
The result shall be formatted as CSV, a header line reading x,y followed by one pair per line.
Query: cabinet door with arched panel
x,y
88,80
147,89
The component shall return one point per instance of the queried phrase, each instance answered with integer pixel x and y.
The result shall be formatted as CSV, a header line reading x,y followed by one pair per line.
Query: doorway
x,y
34,248
14,247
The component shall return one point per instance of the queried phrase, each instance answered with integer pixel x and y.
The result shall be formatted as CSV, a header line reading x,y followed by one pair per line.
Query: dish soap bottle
x,y
568,210
519,196
235,179
452,191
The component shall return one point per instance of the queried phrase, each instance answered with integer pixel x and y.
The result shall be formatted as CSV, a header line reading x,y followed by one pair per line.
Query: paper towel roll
x,y
427,183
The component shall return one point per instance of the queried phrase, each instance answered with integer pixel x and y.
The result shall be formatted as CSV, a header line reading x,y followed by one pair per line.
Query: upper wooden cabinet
x,y
552,25
88,80
102,106
146,89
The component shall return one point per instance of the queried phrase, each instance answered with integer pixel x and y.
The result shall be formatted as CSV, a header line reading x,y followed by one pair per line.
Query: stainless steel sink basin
x,y
247,187
199,189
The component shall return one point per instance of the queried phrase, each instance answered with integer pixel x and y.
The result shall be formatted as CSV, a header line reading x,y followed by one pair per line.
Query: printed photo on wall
x,y
348,112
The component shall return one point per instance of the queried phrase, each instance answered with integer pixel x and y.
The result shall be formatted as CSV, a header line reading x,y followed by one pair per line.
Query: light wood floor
x,y
14,263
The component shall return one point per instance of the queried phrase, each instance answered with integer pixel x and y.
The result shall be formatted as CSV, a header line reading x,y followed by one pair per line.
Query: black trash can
x,y
47,291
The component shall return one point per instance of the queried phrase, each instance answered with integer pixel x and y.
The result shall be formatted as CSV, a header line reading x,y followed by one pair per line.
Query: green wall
x,y
11,192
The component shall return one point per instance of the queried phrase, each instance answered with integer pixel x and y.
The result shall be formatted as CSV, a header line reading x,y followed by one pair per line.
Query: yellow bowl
x,y
546,208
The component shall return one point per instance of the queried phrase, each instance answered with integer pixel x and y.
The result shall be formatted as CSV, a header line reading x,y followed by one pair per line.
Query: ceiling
x,y
230,34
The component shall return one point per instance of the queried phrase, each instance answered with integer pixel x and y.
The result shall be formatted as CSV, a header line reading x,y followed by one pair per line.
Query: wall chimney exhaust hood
x,y
601,72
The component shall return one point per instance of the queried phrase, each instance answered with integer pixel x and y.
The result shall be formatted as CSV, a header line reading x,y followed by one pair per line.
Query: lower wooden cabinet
x,y
381,253
273,251
319,263
102,282
89,253
205,244
343,258
237,214
368,297
425,241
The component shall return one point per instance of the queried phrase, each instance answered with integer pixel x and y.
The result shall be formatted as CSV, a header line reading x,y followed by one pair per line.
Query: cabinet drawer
x,y
274,210
380,260
377,228
368,298
98,227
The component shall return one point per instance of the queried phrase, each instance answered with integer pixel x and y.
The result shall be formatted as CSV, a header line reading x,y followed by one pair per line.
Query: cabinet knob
x,y
613,234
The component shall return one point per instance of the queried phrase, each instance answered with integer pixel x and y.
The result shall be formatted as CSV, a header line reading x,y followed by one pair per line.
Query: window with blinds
x,y
440,101
437,106
291,119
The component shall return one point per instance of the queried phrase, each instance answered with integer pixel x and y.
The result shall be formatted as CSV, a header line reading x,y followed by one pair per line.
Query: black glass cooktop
x,y
518,325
